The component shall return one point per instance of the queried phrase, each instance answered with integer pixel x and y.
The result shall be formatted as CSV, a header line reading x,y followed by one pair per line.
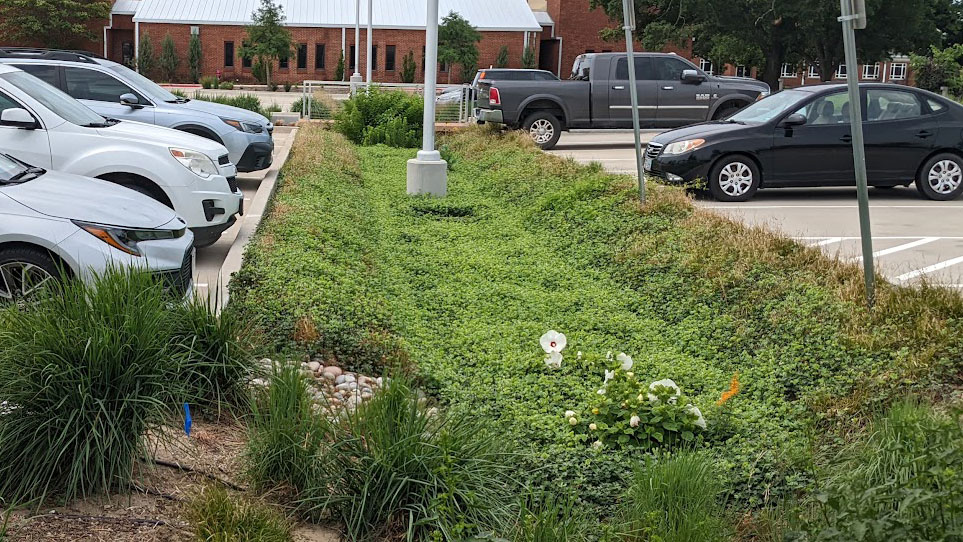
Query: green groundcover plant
x,y
465,286
217,516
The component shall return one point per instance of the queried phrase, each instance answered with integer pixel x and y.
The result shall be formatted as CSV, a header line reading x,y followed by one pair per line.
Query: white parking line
x,y
929,269
825,242
899,248
892,238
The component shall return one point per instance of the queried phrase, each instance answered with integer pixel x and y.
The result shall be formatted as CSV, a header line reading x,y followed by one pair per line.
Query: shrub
x,y
941,68
319,109
339,69
287,86
169,61
89,369
501,61
194,55
259,70
209,82
396,467
285,433
379,116
273,108
244,101
675,499
408,68
217,517
901,482
528,58
226,85
146,59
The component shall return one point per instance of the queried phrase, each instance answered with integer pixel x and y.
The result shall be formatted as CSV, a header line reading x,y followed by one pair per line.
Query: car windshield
x,y
145,85
9,168
770,107
54,99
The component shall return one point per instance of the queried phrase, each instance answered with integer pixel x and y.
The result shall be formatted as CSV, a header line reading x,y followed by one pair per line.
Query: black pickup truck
x,y
672,91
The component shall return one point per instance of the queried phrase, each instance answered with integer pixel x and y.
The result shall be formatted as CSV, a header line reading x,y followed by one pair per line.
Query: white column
x,y
356,78
428,173
137,45
368,63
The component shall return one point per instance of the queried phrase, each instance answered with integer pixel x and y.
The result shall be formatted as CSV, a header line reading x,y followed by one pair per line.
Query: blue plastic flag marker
x,y
187,419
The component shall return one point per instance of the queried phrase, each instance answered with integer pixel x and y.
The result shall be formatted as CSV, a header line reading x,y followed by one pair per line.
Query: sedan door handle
x,y
667,88
618,87
846,138
923,134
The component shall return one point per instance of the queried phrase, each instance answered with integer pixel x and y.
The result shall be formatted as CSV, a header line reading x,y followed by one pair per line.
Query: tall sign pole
x,y
356,78
368,63
428,173
853,18
628,15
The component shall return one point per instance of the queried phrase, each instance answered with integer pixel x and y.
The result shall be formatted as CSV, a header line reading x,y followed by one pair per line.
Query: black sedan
x,y
802,137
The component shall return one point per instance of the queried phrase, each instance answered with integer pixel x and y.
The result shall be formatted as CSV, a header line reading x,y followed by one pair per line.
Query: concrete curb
x,y
251,220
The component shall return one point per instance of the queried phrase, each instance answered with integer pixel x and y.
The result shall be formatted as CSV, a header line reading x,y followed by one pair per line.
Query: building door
x,y
548,56
127,54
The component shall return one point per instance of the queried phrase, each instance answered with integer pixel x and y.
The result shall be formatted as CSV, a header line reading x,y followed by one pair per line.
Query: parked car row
x,y
82,189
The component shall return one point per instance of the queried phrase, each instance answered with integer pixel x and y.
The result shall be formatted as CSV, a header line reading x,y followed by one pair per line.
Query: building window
x,y
390,58
841,72
742,71
871,71
351,59
374,58
245,60
707,67
302,56
284,63
813,71
319,56
788,71
897,71
228,54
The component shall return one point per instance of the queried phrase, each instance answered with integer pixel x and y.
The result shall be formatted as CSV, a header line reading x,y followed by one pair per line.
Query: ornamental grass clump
x,y
396,468
86,371
216,516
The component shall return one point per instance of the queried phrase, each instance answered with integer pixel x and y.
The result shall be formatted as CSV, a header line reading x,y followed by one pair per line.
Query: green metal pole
x,y
628,13
859,154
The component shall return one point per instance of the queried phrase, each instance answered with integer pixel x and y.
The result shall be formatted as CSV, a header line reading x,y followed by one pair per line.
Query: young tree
x,y
408,68
146,60
194,58
339,70
169,61
62,24
457,43
501,61
528,58
267,38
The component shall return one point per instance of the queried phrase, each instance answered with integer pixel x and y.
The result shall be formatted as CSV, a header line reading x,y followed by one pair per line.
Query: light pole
x,y
628,14
428,173
368,63
356,78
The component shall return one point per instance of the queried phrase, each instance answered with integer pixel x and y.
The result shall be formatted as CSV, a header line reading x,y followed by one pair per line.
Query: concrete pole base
x,y
356,82
428,174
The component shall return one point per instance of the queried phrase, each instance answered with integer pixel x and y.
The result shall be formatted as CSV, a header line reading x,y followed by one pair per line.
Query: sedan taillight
x,y
494,97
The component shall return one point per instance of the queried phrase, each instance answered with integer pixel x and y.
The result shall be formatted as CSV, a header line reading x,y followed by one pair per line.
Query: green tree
x,y
339,70
169,61
146,59
501,61
53,23
528,58
267,39
458,43
194,58
941,68
408,68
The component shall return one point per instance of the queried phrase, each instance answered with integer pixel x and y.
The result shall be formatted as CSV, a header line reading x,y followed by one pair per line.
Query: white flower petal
x,y
593,427
609,375
700,420
569,413
601,391
625,360
552,341
553,360
667,383
634,421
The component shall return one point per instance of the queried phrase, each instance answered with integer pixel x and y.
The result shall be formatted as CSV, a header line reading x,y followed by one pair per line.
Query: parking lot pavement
x,y
207,271
913,238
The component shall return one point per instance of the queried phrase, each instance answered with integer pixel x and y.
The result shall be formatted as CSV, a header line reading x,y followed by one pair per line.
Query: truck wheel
x,y
544,129
726,111
734,178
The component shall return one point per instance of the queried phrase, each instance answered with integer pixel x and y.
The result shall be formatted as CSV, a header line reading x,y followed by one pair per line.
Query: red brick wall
x,y
579,28
214,37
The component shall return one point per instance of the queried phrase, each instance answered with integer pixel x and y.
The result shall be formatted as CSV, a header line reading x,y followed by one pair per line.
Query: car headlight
x,y
682,147
201,164
126,239
249,127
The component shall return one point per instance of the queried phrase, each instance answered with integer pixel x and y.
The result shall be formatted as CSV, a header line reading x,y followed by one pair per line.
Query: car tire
x,y
734,178
725,111
941,177
544,128
39,264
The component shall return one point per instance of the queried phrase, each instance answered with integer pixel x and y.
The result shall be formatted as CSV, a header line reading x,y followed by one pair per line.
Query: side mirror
x,y
796,119
130,100
692,77
18,118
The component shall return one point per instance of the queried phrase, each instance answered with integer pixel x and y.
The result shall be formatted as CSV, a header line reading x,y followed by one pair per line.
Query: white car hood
x,y
129,130
73,197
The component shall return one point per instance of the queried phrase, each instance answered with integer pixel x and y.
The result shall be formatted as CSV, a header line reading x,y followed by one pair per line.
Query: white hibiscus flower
x,y
665,383
625,361
553,343
700,421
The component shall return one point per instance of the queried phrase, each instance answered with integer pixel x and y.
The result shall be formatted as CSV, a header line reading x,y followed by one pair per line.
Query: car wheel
x,y
544,129
734,178
725,111
24,272
941,177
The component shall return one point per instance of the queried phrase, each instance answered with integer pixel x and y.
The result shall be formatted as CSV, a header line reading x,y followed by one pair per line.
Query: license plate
x,y
647,165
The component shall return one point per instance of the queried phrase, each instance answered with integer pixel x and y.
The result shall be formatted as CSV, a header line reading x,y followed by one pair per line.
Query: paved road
x,y
207,271
913,238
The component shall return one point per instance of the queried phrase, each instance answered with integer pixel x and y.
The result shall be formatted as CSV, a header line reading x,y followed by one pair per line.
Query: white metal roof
x,y
543,18
125,7
491,15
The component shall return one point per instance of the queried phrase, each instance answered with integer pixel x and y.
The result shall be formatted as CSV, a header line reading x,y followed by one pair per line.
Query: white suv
x,y
44,127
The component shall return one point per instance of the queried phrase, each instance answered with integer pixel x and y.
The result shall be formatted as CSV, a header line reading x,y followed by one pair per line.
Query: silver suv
x,y
115,91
